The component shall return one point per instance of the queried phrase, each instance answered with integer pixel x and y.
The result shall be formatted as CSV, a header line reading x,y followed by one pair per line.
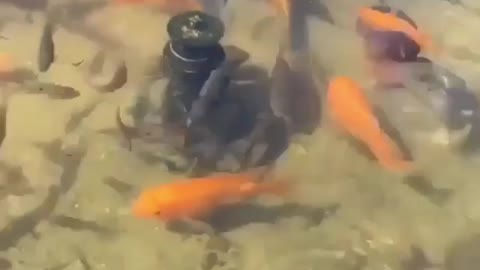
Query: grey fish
x,y
77,224
425,187
52,90
127,132
216,81
20,75
463,253
313,8
76,118
107,74
293,95
46,50
16,181
417,260
117,185
25,224
5,264
3,123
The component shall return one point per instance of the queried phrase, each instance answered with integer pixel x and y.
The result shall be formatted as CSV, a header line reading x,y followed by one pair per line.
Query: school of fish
x,y
348,108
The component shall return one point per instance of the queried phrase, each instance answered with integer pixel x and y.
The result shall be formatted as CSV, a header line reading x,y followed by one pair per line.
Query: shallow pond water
x,y
68,176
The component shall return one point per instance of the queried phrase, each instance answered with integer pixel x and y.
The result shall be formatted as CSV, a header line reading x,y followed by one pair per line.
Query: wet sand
x,y
379,218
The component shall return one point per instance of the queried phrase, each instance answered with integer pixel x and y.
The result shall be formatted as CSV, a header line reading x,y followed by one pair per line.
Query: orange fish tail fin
x,y
430,47
281,188
388,154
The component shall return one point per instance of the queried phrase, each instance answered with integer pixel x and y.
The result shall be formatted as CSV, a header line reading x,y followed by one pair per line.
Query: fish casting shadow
x,y
231,217
25,224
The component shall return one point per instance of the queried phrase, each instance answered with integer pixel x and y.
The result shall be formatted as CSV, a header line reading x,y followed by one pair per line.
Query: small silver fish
x,y
46,50
3,122
52,90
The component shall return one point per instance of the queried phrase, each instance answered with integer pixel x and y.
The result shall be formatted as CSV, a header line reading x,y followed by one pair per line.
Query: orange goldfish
x,y
381,21
170,6
350,110
198,197
281,6
6,63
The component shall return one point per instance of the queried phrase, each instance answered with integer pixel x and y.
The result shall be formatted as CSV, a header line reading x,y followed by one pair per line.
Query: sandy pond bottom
x,y
378,221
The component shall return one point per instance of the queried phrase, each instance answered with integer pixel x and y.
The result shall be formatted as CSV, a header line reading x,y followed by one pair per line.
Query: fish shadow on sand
x,y
232,217
30,5
418,182
387,126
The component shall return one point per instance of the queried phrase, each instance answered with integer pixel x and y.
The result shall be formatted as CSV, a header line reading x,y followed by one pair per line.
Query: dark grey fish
x,y
3,122
463,253
19,75
75,10
5,264
127,133
294,94
294,97
77,118
422,185
107,74
216,246
118,185
70,161
52,90
46,50
78,224
16,181
28,5
84,261
24,225
314,8
417,261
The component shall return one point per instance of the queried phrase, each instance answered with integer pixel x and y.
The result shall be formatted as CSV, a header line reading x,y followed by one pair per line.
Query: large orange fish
x,y
387,21
169,6
196,198
282,7
351,111
6,63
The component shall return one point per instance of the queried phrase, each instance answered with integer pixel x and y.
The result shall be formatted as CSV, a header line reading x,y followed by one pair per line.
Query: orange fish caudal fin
x,y
381,21
388,154
278,187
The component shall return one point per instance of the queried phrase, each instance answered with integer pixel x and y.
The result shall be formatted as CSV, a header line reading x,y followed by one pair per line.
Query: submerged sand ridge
x,y
380,218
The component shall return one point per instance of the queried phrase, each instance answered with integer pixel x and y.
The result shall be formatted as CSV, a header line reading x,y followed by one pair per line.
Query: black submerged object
x,y
188,58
